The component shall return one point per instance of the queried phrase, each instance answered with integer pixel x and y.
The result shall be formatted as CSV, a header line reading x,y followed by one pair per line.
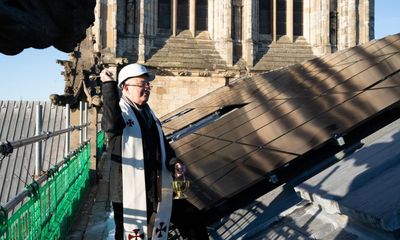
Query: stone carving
x,y
184,73
80,85
68,73
163,72
81,74
205,73
229,74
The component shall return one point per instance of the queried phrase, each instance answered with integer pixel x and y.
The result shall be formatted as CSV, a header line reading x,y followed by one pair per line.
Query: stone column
x,y
151,23
307,20
174,16
228,32
113,16
325,42
316,25
192,17
289,19
211,19
142,42
353,20
108,31
312,29
342,25
222,26
366,24
274,15
363,22
249,7
320,27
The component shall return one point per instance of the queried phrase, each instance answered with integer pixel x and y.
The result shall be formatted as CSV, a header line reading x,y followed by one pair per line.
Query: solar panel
x,y
286,114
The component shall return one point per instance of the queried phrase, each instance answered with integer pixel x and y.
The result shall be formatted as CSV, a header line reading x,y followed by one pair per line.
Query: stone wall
x,y
172,92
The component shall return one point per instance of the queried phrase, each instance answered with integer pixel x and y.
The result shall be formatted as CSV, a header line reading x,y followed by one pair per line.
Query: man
x,y
142,162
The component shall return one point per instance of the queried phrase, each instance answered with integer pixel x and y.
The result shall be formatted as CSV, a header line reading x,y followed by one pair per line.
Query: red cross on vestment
x,y
136,236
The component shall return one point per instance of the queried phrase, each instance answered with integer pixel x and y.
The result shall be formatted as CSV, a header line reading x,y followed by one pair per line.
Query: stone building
x,y
196,46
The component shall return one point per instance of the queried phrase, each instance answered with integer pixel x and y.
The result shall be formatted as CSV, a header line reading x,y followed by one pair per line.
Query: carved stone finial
x,y
184,73
229,74
205,73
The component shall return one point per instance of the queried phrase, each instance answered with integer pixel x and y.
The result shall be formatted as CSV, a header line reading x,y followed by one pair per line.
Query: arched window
x,y
281,17
237,31
183,15
164,14
131,16
201,15
298,17
265,16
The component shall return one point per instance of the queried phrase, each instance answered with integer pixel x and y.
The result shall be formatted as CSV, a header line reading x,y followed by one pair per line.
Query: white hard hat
x,y
133,70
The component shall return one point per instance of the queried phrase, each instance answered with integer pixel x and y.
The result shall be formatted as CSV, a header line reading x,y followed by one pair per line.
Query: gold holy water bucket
x,y
180,186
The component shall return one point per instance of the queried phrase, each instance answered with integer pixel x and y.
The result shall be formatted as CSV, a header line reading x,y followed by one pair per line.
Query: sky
x,y
34,73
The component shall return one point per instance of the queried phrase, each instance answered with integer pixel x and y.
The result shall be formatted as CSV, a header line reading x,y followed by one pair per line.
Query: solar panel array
x,y
283,115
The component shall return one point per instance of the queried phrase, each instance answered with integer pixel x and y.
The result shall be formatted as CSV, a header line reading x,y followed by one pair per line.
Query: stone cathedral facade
x,y
196,46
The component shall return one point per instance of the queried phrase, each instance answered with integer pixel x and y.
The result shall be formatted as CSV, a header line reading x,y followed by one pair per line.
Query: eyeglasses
x,y
144,85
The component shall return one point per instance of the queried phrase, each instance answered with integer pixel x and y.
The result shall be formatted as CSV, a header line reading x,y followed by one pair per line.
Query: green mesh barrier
x,y
48,211
100,143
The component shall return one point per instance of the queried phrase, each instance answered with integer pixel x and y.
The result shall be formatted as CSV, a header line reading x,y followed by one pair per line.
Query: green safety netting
x,y
100,143
50,208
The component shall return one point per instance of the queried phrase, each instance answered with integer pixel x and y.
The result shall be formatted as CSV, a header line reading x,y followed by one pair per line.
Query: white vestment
x,y
133,181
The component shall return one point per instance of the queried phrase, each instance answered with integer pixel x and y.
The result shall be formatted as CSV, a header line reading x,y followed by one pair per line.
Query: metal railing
x,y
51,204
7,147
48,203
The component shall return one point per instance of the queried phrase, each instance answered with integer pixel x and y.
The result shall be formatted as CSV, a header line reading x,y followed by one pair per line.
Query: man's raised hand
x,y
106,75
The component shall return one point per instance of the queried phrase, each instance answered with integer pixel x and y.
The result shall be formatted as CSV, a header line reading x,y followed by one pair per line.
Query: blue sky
x,y
34,74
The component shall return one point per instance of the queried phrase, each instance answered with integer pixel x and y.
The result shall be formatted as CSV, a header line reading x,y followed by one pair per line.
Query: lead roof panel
x,y
17,121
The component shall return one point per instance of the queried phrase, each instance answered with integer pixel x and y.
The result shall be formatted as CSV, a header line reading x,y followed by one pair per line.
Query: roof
x,y
17,121
351,199
239,136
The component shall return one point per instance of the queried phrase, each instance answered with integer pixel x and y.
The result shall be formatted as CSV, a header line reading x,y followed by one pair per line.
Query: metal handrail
x,y
7,147
40,176
27,191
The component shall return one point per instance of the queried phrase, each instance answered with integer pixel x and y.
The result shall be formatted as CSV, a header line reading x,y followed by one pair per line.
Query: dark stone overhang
x,y
41,24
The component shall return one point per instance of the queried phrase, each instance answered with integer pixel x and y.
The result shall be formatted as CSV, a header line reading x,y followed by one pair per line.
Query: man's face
x,y
137,89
